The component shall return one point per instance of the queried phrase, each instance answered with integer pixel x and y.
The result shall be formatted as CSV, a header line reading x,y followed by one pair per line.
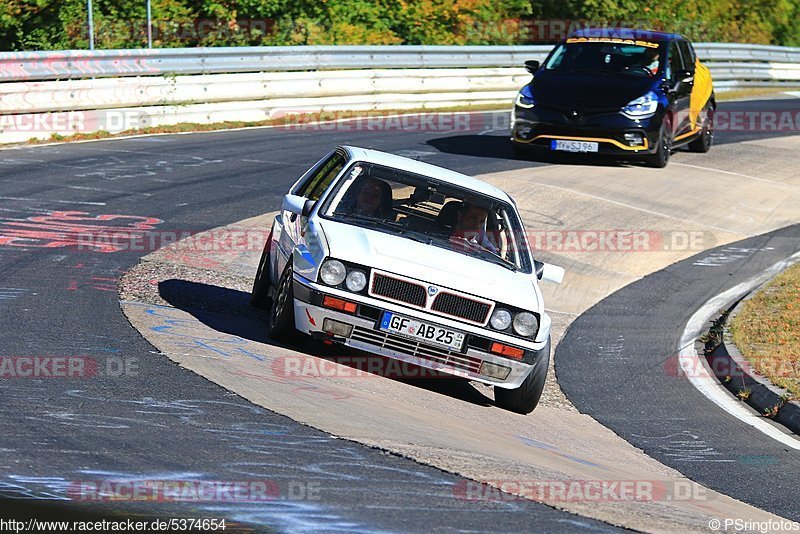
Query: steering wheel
x,y
642,67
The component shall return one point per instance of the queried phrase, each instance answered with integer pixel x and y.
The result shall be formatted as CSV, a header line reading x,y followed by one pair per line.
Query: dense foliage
x,y
62,24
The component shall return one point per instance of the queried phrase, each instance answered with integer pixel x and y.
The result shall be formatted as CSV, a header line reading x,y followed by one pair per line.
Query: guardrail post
x,y
91,24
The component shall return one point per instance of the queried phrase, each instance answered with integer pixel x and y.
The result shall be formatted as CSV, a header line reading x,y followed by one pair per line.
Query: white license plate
x,y
573,146
420,331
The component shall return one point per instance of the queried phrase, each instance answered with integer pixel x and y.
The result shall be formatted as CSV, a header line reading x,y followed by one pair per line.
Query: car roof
x,y
426,169
626,33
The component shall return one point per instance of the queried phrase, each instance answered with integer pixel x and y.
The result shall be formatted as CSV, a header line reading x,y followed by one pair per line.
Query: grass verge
x,y
766,330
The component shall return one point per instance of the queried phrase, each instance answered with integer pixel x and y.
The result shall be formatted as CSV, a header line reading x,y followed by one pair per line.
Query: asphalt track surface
x,y
161,421
618,363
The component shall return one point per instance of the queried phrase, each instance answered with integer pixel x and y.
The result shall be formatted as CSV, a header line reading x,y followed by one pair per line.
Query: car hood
x,y
565,89
431,264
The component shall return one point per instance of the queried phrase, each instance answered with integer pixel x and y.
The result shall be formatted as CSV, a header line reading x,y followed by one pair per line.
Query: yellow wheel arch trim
x,y
687,134
645,146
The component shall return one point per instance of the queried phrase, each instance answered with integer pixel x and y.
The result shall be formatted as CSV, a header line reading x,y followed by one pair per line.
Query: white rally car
x,y
414,262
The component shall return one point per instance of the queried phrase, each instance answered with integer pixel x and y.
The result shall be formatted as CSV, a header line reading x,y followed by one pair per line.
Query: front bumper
x,y
538,127
310,317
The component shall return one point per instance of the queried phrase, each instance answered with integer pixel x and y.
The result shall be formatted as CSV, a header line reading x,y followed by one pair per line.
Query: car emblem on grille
x,y
432,290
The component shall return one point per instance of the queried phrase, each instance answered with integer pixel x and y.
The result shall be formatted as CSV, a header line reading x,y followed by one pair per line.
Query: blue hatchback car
x,y
631,93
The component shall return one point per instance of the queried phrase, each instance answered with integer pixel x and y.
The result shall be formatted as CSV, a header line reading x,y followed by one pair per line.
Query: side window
x,y
674,62
688,56
318,182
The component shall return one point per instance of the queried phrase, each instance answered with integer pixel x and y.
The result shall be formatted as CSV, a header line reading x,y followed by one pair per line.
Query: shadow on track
x,y
499,147
229,311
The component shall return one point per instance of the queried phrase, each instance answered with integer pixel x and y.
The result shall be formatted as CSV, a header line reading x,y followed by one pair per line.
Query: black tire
x,y
703,143
280,325
660,159
259,297
525,398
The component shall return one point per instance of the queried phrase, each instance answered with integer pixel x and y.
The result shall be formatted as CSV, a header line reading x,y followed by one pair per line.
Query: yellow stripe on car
x,y
595,139
701,92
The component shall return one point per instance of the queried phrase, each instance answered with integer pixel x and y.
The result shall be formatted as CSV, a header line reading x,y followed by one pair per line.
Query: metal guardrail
x,y
59,93
79,64
76,64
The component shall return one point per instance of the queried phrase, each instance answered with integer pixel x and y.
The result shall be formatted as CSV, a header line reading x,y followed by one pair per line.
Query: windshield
x,y
422,209
607,56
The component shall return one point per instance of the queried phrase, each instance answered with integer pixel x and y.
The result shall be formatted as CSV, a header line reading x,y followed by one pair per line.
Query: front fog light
x,y
332,272
337,328
634,139
501,319
525,324
356,281
493,370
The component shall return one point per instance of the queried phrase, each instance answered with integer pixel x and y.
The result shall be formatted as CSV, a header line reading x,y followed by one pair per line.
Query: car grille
x,y
392,288
403,345
462,307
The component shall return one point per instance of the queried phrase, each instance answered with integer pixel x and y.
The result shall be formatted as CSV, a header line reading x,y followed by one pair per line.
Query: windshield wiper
x,y
375,221
496,258
485,253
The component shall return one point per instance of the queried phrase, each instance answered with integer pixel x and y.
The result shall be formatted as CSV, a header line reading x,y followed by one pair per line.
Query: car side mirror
x,y
532,66
684,76
549,272
294,204
297,205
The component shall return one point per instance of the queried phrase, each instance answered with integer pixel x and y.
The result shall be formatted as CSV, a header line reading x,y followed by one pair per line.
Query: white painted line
x,y
113,191
775,182
696,368
58,201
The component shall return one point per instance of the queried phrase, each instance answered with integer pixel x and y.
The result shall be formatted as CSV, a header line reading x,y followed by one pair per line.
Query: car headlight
x,y
356,280
501,319
642,107
332,272
525,324
525,98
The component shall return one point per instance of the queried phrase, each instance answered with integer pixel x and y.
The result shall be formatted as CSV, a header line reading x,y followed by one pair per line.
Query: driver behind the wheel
x,y
652,56
470,225
370,197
